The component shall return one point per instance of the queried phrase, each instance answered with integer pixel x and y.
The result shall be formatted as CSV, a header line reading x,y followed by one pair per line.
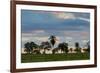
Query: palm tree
x,y
53,40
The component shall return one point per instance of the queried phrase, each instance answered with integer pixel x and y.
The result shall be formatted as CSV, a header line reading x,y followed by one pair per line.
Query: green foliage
x,y
45,45
78,50
63,46
26,58
29,46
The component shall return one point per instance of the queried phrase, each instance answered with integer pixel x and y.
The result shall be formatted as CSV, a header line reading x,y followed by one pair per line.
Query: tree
x,y
88,46
52,40
63,46
33,45
45,46
71,50
27,47
77,47
55,50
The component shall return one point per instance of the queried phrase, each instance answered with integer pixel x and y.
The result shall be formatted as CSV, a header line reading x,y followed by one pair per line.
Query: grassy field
x,y
26,58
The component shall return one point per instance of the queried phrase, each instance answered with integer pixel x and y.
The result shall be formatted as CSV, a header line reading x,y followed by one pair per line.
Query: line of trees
x,y
64,47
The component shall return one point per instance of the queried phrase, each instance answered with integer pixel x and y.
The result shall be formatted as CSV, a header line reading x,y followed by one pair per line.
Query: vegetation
x,y
29,47
53,57
34,53
45,46
52,40
88,48
78,49
64,47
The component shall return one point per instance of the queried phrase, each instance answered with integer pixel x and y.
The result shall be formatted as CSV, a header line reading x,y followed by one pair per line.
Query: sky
x,y
69,27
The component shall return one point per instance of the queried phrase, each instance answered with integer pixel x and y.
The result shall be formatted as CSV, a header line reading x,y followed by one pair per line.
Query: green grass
x,y
26,58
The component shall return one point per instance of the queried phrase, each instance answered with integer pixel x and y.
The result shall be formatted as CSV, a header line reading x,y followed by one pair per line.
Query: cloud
x,y
76,35
84,19
33,33
35,39
53,21
33,36
69,38
83,33
38,31
41,35
85,41
41,39
27,34
24,39
63,15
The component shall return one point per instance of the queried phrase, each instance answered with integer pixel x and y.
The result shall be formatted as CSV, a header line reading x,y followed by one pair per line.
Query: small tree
x,y
88,46
71,49
77,47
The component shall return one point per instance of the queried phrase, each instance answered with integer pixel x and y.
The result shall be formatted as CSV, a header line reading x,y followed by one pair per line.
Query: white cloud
x,y
73,33
41,39
33,33
85,41
84,19
62,15
34,39
34,36
38,31
26,34
25,39
69,38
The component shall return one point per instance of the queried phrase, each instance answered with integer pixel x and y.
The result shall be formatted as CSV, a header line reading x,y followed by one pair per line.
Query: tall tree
x,y
88,46
53,40
77,47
